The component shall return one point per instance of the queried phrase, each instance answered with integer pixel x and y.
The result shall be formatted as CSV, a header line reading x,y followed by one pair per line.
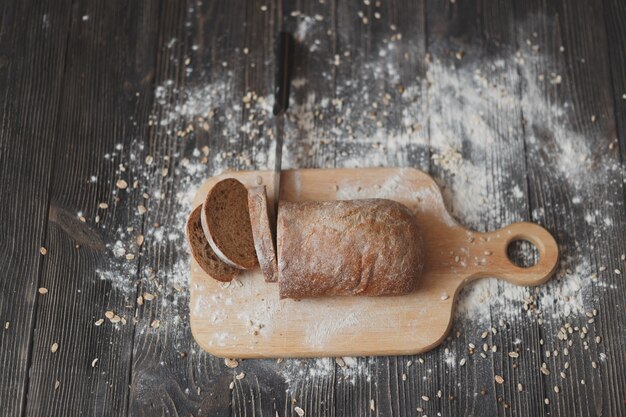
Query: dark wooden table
x,y
517,108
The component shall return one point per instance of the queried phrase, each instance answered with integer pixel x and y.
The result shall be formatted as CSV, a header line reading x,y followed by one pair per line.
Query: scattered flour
x,y
463,97
348,369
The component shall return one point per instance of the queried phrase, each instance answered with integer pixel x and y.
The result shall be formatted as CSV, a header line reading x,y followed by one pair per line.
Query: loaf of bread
x,y
357,247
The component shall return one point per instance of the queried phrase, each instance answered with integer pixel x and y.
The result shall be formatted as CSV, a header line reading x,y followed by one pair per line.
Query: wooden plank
x,y
381,82
78,366
307,384
475,111
219,52
32,56
314,26
576,188
168,378
614,15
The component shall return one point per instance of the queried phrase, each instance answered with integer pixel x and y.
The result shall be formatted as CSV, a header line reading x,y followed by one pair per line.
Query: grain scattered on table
x,y
231,363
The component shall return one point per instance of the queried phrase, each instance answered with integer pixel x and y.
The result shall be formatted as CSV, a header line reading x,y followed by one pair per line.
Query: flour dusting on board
x,y
381,125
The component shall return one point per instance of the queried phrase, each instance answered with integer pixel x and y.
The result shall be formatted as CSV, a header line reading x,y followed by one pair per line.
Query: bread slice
x,y
202,252
226,224
262,232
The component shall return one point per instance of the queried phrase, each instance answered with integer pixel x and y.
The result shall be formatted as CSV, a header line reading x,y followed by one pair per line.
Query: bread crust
x,y
367,247
202,252
262,232
226,223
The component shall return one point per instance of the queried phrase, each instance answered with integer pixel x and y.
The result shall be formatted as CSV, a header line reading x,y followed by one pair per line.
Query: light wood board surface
x,y
246,318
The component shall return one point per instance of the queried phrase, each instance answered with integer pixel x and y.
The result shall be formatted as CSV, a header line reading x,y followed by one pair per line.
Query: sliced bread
x,y
262,232
226,224
202,252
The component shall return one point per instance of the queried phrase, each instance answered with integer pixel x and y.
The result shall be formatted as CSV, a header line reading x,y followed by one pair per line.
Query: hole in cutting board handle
x,y
534,238
523,253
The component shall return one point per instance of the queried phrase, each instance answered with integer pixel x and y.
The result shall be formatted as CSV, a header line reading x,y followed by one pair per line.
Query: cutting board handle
x,y
497,263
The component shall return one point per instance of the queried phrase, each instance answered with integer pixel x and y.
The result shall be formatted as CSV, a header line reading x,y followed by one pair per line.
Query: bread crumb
x,y
121,184
54,347
43,290
43,251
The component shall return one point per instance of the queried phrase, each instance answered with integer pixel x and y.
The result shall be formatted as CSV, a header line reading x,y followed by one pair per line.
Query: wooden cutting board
x,y
246,318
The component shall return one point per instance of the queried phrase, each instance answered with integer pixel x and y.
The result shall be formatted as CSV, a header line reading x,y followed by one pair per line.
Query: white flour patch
x,y
344,370
329,327
305,23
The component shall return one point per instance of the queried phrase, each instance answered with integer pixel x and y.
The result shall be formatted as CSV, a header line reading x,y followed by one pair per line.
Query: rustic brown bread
x,y
226,223
202,252
262,232
358,247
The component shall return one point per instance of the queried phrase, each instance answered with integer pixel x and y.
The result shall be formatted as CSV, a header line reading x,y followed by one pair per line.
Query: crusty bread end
x,y
262,232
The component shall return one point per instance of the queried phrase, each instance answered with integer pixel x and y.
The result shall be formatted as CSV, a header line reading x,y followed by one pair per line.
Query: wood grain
x,y
56,122
469,36
574,45
614,17
264,390
110,54
32,60
170,373
401,26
